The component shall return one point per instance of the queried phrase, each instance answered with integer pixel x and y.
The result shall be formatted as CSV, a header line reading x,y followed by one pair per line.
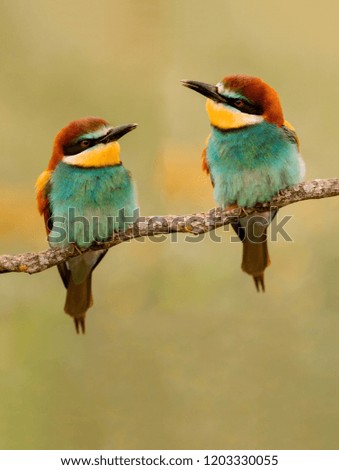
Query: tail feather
x,y
255,260
252,231
76,275
78,301
259,282
80,325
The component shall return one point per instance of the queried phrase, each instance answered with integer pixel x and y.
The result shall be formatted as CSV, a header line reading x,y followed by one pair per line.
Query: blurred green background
x,y
181,352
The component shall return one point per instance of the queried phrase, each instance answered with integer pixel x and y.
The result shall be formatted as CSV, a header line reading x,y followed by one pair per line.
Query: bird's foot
x,y
242,212
76,248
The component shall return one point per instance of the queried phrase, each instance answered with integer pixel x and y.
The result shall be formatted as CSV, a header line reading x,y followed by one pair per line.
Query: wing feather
x,y
43,187
290,133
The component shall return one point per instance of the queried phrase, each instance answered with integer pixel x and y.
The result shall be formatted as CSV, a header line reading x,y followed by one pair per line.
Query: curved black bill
x,y
210,91
117,133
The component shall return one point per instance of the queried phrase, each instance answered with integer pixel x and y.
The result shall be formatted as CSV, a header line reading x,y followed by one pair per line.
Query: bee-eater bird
x,y
251,154
80,195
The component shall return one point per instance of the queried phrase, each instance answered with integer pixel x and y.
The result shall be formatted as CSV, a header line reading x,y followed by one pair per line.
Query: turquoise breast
x,y
88,204
251,164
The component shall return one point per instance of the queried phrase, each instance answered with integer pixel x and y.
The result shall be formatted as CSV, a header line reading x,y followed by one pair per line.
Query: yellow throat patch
x,y
101,155
225,117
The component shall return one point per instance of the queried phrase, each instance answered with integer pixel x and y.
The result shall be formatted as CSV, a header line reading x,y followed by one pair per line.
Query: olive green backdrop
x,y
181,352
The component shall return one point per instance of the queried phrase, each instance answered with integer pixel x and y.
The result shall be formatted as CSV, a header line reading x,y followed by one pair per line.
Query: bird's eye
x,y
85,143
238,103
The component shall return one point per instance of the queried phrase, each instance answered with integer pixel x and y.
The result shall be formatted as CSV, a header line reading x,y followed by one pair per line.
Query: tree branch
x,y
199,223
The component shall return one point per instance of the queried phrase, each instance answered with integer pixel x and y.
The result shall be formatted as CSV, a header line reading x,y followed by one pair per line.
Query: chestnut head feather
x,y
70,133
257,93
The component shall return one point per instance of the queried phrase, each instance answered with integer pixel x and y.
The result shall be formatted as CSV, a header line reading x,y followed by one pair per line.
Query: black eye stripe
x,y
245,107
75,148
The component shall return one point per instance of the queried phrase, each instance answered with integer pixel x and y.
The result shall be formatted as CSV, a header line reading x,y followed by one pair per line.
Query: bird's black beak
x,y
210,91
117,133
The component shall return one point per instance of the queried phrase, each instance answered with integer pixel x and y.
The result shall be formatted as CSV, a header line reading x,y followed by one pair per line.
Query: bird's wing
x,y
43,187
290,133
204,162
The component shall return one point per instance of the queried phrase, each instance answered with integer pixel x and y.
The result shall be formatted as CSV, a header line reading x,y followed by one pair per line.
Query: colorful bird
x,y
85,194
251,154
